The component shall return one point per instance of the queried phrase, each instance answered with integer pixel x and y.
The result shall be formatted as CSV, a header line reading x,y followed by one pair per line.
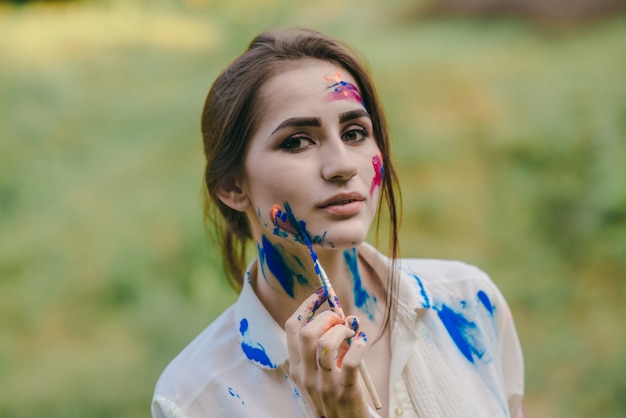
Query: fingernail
x,y
363,336
354,325
322,297
315,307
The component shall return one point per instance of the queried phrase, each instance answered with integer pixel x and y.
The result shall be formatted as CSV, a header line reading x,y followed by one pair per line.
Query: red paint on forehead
x,y
343,90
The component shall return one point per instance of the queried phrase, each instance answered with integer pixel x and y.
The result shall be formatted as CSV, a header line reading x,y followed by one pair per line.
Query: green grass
x,y
510,141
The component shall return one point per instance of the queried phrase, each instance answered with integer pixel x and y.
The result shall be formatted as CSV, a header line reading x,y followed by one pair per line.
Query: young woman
x,y
295,122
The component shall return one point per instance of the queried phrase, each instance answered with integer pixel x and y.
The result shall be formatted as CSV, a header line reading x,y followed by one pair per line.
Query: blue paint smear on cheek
x,y
362,299
463,332
271,256
484,299
253,350
319,239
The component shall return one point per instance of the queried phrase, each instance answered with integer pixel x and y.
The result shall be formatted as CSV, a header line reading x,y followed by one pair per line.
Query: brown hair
x,y
230,116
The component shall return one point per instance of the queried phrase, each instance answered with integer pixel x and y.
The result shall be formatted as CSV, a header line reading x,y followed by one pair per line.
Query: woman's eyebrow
x,y
316,122
298,122
353,114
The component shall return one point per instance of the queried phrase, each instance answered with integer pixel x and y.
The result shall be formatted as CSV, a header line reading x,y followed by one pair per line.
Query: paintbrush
x,y
285,221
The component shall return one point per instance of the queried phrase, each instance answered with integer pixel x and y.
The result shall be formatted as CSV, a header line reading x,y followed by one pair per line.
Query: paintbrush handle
x,y
336,307
333,300
369,384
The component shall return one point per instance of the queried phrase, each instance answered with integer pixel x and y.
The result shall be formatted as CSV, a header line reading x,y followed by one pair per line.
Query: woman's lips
x,y
348,204
350,208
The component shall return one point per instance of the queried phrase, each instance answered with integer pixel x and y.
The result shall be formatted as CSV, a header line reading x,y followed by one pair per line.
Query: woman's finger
x,y
352,322
310,336
299,319
330,344
352,360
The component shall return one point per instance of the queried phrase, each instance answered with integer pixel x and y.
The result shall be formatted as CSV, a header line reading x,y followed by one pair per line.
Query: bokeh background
x,y
509,129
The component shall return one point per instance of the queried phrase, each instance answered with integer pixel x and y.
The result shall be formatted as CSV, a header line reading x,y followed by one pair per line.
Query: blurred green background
x,y
509,135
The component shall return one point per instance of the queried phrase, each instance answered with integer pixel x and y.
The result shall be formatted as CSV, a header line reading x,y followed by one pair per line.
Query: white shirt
x,y
455,353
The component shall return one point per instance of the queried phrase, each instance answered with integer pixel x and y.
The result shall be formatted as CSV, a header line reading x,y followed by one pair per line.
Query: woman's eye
x,y
355,135
296,143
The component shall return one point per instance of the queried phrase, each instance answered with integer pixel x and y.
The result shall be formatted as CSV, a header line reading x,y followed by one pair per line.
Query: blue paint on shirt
x,y
463,332
484,299
296,393
253,350
362,298
234,394
426,299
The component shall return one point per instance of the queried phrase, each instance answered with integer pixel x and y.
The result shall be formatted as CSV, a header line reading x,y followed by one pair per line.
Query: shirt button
x,y
398,411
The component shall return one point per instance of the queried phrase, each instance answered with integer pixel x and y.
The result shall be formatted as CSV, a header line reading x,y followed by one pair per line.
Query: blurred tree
x,y
34,1
549,11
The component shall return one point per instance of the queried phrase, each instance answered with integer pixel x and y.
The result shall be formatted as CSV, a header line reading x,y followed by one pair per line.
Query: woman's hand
x,y
322,363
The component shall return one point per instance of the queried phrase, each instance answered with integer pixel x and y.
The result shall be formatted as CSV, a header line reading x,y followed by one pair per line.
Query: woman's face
x,y
313,149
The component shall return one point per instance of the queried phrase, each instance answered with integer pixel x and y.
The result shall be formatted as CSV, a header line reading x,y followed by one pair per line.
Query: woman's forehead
x,y
308,82
308,76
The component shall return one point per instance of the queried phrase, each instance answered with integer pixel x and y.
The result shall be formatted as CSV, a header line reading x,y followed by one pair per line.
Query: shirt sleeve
x,y
163,407
511,359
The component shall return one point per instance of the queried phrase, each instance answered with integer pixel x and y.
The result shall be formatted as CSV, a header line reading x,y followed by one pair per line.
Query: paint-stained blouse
x,y
455,353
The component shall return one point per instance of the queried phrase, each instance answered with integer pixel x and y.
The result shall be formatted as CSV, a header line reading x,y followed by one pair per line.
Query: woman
x,y
296,121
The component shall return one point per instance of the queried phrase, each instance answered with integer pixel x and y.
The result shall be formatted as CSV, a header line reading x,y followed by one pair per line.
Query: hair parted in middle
x,y
232,111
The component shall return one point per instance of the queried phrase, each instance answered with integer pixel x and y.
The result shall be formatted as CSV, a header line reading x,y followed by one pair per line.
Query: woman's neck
x,y
285,277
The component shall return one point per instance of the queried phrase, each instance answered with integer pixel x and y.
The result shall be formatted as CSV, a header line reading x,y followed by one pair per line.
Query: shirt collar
x,y
263,341
413,300
413,296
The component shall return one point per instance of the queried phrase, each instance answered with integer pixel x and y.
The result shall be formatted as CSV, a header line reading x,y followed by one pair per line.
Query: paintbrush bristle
x,y
281,220
274,213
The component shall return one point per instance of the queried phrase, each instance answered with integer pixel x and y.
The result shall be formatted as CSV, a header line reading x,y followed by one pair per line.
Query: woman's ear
x,y
234,197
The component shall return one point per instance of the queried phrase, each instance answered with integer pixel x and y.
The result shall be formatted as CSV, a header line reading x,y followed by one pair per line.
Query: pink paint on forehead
x,y
343,90
377,162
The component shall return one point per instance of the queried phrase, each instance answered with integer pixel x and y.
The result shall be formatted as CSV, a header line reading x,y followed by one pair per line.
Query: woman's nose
x,y
337,162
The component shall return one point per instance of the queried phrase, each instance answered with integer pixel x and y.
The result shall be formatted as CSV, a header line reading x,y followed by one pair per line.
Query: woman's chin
x,y
340,241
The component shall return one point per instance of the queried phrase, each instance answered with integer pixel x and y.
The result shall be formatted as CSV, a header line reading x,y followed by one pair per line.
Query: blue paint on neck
x,y
253,350
300,277
362,298
484,299
463,332
272,256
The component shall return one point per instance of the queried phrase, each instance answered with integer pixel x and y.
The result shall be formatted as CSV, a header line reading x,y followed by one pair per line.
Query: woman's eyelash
x,y
295,143
300,141
360,130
